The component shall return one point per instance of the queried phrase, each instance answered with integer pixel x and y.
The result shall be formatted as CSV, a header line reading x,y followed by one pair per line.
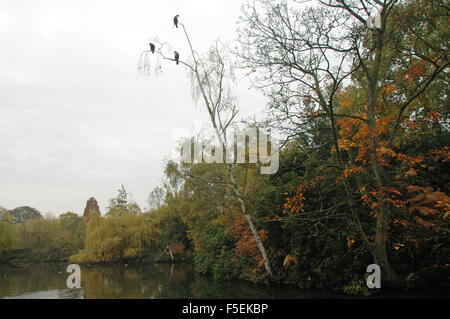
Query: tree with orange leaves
x,y
371,84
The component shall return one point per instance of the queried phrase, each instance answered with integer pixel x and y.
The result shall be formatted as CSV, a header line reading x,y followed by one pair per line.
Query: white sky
x,y
75,119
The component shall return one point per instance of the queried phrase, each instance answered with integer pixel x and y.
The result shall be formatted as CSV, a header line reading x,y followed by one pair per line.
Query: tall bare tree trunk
x,y
221,135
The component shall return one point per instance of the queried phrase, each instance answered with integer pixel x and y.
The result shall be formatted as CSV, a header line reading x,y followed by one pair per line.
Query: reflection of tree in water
x,y
31,277
207,287
143,281
71,294
202,288
48,280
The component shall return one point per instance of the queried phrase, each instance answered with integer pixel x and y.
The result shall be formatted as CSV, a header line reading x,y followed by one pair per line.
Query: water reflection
x,y
51,294
48,280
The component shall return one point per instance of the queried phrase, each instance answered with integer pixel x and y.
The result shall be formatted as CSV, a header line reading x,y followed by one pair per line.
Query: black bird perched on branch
x,y
175,20
152,47
177,56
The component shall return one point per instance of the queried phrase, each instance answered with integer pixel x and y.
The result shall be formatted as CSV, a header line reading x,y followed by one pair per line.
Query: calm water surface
x,y
119,281
48,281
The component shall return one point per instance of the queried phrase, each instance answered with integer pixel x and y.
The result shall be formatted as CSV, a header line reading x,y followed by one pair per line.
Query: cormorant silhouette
x,y
175,20
177,56
152,47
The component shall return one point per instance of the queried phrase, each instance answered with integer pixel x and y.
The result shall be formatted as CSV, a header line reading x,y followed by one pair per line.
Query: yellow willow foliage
x,y
115,238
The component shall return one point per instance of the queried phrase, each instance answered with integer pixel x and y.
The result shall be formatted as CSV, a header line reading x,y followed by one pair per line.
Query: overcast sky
x,y
75,119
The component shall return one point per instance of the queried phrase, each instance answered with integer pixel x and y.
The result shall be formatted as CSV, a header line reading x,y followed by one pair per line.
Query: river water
x,y
153,281
48,281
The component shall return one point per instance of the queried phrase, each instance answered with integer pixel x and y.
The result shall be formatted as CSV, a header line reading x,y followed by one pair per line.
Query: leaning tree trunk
x,y
222,140
258,241
237,193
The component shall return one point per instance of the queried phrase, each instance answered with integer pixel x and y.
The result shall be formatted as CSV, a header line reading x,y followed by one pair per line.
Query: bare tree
x,y
211,78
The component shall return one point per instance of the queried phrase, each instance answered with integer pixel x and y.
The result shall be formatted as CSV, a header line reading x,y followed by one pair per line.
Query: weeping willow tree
x,y
211,77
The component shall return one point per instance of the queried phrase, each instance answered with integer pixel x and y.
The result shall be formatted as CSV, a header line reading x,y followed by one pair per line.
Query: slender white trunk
x,y
222,140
